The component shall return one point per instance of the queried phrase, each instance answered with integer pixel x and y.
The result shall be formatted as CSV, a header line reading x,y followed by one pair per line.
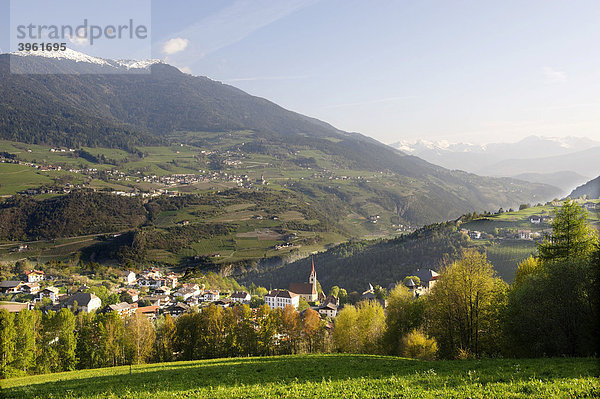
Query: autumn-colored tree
x,y
268,322
371,326
345,336
244,330
187,336
165,339
111,328
211,324
311,324
139,338
291,327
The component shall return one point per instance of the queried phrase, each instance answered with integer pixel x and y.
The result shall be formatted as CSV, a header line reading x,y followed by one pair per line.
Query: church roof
x,y
303,288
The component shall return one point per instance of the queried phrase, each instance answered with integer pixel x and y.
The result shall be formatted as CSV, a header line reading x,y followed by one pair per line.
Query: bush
x,y
417,345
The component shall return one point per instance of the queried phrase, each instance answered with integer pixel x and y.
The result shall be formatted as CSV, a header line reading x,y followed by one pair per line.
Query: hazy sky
x,y
481,71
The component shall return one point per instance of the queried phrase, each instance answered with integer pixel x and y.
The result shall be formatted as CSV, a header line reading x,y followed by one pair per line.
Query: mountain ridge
x,y
131,110
591,189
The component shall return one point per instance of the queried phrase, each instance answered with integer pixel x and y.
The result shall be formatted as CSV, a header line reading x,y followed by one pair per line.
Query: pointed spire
x,y
312,279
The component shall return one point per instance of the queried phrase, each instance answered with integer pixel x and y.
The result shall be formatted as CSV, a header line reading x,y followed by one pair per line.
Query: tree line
x,y
35,343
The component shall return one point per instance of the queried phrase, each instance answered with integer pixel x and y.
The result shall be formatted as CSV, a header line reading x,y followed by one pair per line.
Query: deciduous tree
x,y
461,306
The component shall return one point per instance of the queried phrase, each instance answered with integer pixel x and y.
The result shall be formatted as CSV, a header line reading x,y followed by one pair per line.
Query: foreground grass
x,y
322,376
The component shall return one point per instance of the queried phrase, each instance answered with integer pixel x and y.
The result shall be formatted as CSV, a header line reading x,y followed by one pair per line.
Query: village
x,y
223,172
153,293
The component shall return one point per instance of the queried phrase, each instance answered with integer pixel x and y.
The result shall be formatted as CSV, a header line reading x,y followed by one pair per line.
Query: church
x,y
308,290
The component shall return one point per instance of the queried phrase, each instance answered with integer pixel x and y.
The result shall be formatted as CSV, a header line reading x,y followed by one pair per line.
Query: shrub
x,y
417,345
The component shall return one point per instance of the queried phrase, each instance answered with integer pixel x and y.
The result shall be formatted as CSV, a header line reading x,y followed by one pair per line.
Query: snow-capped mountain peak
x,y
79,57
67,54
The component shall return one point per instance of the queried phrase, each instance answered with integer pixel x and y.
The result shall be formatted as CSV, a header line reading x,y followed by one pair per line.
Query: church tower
x,y
312,279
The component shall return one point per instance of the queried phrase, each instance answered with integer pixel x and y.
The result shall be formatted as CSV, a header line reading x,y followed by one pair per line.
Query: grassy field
x,y
322,376
15,178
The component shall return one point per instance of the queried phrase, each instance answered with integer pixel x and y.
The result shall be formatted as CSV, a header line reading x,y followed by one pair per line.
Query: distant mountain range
x,y
154,101
590,189
562,162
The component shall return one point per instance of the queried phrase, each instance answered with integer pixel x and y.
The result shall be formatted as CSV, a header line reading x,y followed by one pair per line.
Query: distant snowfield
x,y
564,162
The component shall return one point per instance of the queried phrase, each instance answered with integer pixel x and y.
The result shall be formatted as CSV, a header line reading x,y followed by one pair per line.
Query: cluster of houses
x,y
524,234
166,295
79,300
152,293
30,286
591,206
330,305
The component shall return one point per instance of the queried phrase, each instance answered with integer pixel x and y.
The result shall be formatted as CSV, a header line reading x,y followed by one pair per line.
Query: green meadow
x,y
322,376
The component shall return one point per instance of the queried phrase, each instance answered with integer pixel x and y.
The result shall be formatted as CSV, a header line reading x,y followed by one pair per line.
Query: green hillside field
x,y
322,376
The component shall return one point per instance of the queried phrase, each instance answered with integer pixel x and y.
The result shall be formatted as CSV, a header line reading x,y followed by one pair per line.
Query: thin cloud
x,y
552,75
261,78
233,24
376,101
175,45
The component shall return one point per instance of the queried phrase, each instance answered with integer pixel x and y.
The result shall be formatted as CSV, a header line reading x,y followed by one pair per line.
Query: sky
x,y
476,71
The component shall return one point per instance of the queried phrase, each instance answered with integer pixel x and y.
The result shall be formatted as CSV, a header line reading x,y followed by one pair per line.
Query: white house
x,y
85,302
152,273
535,219
279,299
10,287
187,292
171,280
525,235
210,296
134,294
329,309
124,309
49,292
35,276
129,278
151,282
161,301
475,235
240,297
30,288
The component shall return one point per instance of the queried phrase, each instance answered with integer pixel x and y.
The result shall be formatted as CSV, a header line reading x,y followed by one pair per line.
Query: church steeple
x,y
312,279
